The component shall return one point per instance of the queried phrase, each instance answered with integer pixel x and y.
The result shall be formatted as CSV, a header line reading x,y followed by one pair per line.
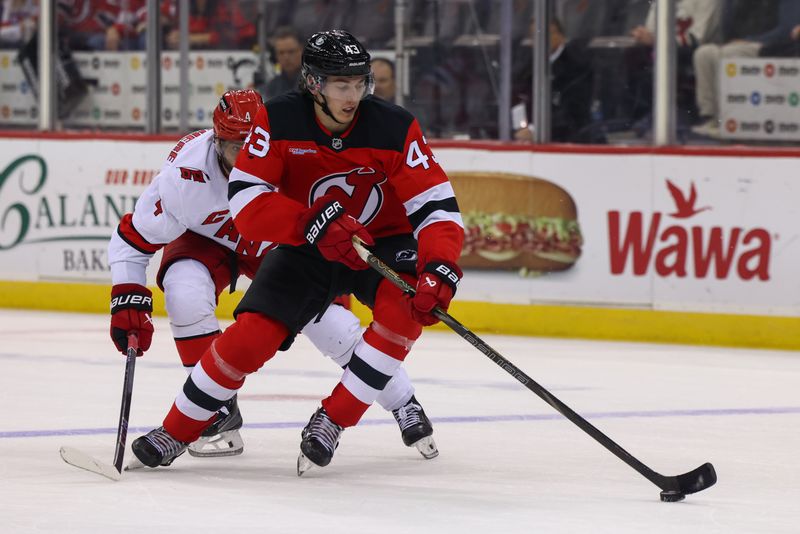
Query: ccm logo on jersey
x,y
195,175
317,227
140,302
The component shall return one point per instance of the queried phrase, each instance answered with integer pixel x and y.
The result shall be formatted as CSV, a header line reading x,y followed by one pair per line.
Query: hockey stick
x,y
674,488
82,460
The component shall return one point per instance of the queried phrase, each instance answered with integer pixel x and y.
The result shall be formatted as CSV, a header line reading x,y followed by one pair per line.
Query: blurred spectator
x,y
386,87
128,31
383,73
571,88
788,47
747,26
583,19
697,22
17,22
214,24
83,23
288,47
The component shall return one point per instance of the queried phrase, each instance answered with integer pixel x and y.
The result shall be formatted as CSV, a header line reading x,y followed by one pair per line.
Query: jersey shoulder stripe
x,y
128,232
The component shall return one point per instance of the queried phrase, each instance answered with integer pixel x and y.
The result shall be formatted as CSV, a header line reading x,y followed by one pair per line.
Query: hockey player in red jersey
x,y
185,211
319,168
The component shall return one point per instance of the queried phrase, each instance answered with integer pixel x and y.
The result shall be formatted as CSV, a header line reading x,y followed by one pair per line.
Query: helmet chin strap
x,y
326,109
223,165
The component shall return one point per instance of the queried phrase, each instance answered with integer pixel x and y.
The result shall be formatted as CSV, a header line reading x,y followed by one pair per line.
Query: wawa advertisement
x,y
706,234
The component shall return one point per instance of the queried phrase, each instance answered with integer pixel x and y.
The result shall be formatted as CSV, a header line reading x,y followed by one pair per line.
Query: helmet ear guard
x,y
312,81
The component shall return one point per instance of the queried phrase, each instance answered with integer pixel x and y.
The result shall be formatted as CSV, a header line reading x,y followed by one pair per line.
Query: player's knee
x,y
188,319
189,294
249,342
335,334
392,309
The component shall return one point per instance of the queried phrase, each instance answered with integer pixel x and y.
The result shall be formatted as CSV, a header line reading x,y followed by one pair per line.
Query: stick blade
x,y
82,460
698,479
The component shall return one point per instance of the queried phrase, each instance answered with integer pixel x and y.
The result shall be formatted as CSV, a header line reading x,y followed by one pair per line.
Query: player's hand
x,y
436,286
131,308
327,226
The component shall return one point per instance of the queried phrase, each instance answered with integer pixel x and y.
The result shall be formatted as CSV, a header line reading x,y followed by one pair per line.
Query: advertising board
x,y
760,99
647,231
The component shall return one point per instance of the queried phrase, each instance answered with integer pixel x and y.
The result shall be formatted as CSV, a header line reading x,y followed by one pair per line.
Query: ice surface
x,y
508,463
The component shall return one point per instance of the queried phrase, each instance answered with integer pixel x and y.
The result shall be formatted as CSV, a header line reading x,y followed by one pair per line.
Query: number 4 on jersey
x,y
416,157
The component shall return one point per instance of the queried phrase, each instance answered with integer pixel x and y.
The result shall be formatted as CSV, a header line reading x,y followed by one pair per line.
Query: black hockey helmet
x,y
335,53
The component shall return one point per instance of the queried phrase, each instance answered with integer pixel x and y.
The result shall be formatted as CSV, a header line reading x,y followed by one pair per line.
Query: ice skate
x,y
416,428
157,448
320,439
222,438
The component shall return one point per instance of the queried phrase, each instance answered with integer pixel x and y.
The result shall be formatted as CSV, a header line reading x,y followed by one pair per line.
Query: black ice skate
x,y
222,438
320,439
416,428
157,448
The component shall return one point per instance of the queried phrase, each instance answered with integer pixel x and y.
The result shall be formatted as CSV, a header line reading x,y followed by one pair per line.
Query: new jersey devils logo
x,y
358,190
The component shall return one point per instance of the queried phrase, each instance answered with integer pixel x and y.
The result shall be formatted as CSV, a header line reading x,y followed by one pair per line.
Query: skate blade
x,y
427,448
303,464
228,443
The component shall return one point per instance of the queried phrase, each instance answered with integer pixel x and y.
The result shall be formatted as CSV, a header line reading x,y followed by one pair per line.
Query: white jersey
x,y
189,193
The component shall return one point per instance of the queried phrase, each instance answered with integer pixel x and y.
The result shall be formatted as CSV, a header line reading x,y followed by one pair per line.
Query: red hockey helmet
x,y
235,114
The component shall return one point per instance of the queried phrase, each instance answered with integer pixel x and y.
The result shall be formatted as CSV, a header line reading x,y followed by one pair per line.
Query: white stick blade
x,y
83,461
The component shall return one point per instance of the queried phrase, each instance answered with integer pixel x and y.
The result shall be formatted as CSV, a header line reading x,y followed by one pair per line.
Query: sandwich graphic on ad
x,y
516,222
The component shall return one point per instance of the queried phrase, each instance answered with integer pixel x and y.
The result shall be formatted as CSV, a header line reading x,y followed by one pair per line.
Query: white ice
x,y
507,463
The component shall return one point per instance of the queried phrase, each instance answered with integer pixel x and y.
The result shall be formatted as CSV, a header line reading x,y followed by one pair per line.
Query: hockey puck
x,y
672,496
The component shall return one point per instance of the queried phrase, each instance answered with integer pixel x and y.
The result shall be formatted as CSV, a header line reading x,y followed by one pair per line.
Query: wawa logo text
x,y
674,246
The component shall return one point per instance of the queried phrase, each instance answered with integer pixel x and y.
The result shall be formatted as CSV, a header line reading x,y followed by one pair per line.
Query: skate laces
x,y
166,445
408,415
321,428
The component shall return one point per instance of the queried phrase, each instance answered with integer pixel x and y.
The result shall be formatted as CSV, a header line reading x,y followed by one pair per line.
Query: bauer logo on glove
x,y
430,294
131,306
318,225
139,302
324,226
447,274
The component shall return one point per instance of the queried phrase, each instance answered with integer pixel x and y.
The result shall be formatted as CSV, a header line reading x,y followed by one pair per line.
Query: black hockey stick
x,y
80,459
125,406
674,488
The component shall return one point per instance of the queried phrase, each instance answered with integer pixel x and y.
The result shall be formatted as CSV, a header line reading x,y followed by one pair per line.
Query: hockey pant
x,y
191,298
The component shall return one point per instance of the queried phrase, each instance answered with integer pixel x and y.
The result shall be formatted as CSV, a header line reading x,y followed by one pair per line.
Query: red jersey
x,y
380,169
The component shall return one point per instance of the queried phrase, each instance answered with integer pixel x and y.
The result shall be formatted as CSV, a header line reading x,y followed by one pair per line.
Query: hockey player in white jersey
x,y
185,211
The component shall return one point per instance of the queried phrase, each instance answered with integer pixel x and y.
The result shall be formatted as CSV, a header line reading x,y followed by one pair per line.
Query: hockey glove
x,y
131,307
436,286
328,227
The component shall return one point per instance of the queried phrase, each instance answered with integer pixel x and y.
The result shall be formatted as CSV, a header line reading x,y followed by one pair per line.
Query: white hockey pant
x,y
336,335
